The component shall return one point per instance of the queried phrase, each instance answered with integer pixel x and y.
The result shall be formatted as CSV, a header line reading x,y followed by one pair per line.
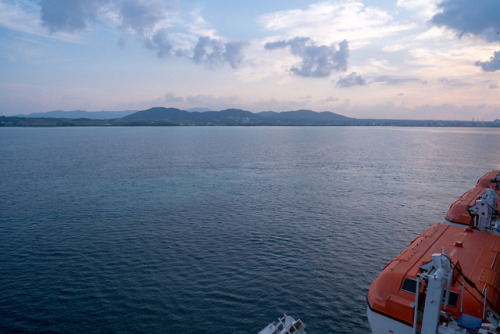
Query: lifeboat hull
x,y
458,213
381,324
391,297
488,179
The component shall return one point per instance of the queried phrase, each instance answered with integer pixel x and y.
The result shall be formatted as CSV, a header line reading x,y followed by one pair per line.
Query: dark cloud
x,y
70,16
160,43
137,16
317,61
479,18
394,80
351,80
140,16
476,18
214,52
209,51
492,65
284,44
342,56
233,53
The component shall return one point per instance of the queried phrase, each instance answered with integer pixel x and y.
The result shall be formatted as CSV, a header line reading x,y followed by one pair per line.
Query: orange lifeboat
x,y
459,211
490,179
474,286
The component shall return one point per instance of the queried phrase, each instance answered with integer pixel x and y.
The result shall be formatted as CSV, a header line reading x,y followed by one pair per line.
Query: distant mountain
x,y
236,113
160,116
79,114
230,114
199,109
202,116
236,116
304,116
223,117
160,113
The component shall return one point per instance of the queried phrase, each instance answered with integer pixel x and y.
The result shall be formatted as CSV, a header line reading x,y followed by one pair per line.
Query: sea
x,y
216,229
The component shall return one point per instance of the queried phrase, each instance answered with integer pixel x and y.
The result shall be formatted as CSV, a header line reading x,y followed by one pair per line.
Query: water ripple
x,y
204,230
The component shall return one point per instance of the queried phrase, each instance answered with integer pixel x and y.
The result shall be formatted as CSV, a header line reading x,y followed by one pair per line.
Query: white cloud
x,y
197,25
422,9
329,21
21,16
173,98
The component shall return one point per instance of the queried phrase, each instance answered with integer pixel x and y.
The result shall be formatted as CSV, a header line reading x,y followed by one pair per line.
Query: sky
x,y
403,59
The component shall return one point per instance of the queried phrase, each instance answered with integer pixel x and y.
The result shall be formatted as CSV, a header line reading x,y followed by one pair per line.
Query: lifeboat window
x,y
409,285
453,299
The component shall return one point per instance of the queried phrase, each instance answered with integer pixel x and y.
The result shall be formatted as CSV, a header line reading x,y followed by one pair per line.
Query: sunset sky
x,y
405,59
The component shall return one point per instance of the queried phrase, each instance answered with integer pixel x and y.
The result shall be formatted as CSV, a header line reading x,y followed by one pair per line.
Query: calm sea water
x,y
216,229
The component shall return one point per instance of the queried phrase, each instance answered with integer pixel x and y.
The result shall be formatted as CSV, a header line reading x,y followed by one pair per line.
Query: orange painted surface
x,y
485,181
476,254
458,211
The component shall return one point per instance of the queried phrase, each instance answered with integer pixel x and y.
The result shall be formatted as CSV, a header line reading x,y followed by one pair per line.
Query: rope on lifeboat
x,y
473,285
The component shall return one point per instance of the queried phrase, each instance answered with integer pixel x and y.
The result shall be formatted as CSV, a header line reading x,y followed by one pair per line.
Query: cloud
x,y
355,21
351,80
423,9
492,65
160,43
23,16
172,98
141,16
138,16
148,21
476,18
233,54
395,80
453,82
209,51
479,18
212,102
70,16
214,52
317,61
